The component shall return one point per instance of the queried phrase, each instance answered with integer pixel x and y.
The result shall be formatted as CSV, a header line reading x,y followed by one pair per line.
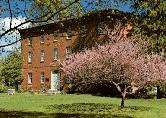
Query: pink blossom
x,y
121,62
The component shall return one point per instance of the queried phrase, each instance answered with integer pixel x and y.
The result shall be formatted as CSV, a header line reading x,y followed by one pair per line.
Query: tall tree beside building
x,y
11,74
151,22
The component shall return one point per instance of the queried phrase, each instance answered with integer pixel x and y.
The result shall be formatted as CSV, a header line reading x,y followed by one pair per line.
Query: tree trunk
x,y
158,92
16,85
122,91
123,99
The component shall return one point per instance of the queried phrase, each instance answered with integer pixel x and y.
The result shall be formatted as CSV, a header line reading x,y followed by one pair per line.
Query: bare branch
x,y
11,43
16,27
11,16
37,20
117,86
128,87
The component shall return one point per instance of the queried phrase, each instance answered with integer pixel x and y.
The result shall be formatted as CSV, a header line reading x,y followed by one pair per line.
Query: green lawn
x,y
80,106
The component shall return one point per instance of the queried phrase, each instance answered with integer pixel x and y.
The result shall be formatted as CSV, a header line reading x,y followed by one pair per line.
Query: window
x,y
69,34
29,78
42,56
68,51
30,57
55,35
42,39
83,31
30,40
83,49
101,27
42,77
55,53
68,81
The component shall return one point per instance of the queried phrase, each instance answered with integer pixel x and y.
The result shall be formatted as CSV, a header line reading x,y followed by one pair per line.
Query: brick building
x,y
44,47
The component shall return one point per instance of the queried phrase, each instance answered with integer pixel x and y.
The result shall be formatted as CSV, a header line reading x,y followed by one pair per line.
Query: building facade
x,y
45,47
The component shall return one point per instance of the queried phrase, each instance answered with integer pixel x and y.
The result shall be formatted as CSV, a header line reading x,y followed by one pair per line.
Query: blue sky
x,y
18,7
121,6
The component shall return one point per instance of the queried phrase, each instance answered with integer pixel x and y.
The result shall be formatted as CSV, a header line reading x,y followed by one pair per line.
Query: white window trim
x,y
41,41
67,36
29,41
29,78
55,56
29,57
42,56
56,37
83,30
42,77
101,26
68,53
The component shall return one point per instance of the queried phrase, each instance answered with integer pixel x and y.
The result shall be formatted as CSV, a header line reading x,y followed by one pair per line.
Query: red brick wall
x,y
36,67
50,64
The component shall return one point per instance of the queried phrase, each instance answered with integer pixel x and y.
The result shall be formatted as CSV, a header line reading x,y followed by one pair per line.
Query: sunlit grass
x,y
83,105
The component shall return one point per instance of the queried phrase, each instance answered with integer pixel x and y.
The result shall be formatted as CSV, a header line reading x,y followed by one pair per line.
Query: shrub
x,y
142,93
3,88
161,93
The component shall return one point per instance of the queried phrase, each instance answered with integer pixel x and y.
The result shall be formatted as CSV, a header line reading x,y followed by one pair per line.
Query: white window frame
x,y
42,54
68,52
42,77
29,57
29,78
56,33
42,37
67,34
30,39
83,30
101,28
55,54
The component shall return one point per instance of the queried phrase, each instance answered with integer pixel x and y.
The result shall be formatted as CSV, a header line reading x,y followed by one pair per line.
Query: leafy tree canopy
x,y
11,74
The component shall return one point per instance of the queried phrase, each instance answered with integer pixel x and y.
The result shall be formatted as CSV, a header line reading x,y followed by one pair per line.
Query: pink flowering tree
x,y
120,63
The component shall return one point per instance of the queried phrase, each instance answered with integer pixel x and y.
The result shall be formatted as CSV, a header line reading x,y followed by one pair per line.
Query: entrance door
x,y
55,81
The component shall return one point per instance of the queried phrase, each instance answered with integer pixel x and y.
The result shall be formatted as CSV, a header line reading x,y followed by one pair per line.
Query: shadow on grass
x,y
15,114
93,110
76,110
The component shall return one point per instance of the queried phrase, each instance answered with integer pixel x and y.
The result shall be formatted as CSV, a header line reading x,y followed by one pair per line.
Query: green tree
x,y
47,8
11,74
151,22
149,18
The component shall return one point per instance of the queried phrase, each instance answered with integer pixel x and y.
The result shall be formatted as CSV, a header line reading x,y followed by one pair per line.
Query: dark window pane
x,y
30,40
69,33
101,27
55,53
83,31
42,38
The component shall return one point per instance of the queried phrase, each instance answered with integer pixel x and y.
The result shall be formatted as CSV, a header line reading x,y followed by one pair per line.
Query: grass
x,y
67,105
